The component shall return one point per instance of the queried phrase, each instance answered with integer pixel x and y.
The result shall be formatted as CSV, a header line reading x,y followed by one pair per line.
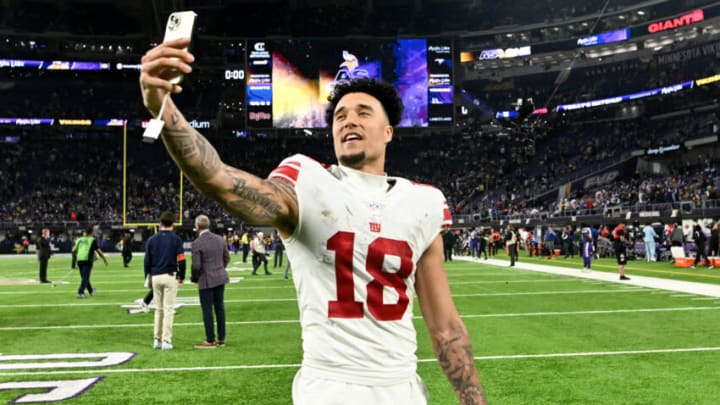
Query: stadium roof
x,y
260,18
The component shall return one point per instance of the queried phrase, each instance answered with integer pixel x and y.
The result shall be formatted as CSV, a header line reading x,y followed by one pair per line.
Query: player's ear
x,y
388,133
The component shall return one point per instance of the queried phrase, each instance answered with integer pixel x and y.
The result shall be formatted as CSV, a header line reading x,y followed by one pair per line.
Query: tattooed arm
x,y
449,336
244,195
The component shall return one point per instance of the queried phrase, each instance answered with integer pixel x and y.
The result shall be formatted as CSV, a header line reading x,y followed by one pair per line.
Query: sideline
x,y
690,287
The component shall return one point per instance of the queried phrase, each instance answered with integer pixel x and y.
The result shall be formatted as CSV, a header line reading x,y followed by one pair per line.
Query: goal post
x,y
130,219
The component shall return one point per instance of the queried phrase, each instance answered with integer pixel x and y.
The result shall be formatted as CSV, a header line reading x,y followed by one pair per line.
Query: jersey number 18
x,y
343,243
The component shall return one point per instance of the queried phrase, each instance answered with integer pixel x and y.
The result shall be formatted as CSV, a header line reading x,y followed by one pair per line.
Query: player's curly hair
x,y
384,92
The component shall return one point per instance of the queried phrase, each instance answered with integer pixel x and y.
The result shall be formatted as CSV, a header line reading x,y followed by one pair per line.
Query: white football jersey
x,y
354,255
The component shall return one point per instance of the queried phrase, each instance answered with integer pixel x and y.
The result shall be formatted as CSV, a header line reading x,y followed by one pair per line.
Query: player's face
x,y
361,132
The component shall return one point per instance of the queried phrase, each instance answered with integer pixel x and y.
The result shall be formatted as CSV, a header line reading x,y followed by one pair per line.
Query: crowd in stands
x,y
59,179
497,173
579,150
581,142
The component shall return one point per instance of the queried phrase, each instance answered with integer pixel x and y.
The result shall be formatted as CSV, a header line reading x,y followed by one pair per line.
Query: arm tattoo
x,y
255,200
252,201
250,198
192,152
455,356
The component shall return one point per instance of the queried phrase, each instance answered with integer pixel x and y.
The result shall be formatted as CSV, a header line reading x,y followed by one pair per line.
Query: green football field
x,y
539,338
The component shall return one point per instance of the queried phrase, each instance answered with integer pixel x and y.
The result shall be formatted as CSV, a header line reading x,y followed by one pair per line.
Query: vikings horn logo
x,y
348,70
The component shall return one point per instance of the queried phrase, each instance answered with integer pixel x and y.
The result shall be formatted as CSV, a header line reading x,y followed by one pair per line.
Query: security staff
x,y
85,248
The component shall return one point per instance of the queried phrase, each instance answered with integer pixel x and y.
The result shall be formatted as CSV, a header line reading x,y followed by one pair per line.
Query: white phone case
x,y
179,25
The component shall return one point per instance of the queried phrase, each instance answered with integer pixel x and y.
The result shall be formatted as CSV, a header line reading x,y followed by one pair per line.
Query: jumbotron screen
x,y
288,81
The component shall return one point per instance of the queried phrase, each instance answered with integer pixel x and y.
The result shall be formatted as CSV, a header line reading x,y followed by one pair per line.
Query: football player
x,y
362,244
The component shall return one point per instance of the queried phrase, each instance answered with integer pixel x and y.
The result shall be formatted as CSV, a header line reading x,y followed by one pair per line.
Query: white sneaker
x,y
166,346
143,306
156,344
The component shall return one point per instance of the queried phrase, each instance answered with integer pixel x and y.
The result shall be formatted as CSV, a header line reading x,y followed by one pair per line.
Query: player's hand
x,y
158,65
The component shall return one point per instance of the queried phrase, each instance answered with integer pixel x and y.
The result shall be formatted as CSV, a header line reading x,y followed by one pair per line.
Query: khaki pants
x,y
165,288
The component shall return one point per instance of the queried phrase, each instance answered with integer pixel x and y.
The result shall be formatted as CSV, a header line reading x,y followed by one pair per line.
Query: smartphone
x,y
180,24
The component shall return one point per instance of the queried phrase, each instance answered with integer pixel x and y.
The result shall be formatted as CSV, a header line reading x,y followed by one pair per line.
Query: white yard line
x,y
561,292
82,303
286,321
297,365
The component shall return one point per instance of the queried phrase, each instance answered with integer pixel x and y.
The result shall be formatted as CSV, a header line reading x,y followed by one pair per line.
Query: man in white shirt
x,y
259,253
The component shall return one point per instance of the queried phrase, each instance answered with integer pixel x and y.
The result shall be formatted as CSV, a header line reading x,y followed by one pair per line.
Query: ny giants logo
x,y
686,19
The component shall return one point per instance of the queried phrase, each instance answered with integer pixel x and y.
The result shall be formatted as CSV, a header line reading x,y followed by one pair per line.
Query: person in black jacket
x,y
279,249
483,243
43,253
127,249
165,264
620,244
73,263
511,240
714,247
449,239
700,238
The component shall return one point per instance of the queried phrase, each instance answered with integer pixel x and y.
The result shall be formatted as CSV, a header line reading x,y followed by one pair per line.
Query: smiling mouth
x,y
351,137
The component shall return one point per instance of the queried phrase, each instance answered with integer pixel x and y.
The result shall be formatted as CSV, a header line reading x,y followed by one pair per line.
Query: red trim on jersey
x,y
180,257
288,172
414,183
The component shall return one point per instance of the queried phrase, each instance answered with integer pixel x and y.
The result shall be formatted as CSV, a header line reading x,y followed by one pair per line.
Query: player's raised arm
x,y
449,336
246,196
